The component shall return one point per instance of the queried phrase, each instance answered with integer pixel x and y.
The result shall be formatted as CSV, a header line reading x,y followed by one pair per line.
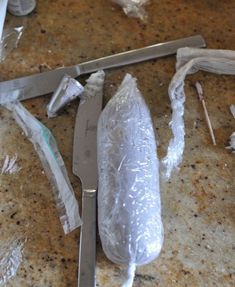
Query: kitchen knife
x,y
85,167
43,83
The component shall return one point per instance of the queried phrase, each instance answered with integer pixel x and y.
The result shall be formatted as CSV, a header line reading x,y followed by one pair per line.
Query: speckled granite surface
x,y
198,203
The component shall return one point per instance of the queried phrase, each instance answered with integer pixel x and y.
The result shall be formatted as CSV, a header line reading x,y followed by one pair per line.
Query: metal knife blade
x,y
85,167
46,82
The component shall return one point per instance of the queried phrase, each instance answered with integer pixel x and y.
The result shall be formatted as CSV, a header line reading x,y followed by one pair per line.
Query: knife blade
x,y
44,83
85,167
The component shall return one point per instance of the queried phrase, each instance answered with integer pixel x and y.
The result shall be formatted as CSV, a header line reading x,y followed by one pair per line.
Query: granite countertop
x,y
198,202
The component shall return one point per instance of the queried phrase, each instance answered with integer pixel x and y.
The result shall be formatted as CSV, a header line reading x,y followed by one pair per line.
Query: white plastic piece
x,y
46,147
94,85
68,90
11,254
232,142
129,206
190,60
133,8
232,109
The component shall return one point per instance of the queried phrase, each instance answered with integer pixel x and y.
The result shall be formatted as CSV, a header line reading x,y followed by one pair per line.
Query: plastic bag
x,y
46,147
129,207
190,60
133,8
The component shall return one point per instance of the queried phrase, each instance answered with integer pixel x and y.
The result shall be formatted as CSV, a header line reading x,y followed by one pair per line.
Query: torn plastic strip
x,y
232,143
215,61
11,255
46,147
68,90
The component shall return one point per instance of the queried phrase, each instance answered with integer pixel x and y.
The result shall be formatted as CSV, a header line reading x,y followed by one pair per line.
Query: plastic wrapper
x,y
11,255
46,147
10,37
68,90
133,8
129,207
190,60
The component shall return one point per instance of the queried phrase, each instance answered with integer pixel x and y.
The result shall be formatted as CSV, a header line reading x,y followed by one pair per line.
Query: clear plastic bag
x,y
129,206
133,8
190,60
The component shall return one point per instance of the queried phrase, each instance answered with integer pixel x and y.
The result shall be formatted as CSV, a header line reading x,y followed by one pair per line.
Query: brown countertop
x,y
198,202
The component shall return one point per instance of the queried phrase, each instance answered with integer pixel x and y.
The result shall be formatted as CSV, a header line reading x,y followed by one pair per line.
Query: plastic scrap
x,y
11,255
232,109
232,143
46,147
10,39
94,85
68,90
133,8
10,165
129,206
190,60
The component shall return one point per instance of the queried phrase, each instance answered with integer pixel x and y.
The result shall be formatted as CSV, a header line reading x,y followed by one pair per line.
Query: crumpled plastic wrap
x,y
9,165
190,60
10,37
133,8
46,147
11,255
129,206
68,90
94,85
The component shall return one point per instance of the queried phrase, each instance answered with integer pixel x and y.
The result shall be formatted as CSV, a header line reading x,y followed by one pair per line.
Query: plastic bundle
x,y
129,207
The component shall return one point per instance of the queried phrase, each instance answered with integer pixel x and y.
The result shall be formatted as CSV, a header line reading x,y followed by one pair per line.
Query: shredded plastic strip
x,y
133,8
129,205
46,147
11,255
232,143
232,109
10,165
190,60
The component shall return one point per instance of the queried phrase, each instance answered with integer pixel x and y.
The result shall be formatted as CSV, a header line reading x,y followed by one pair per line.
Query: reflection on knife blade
x,y
46,82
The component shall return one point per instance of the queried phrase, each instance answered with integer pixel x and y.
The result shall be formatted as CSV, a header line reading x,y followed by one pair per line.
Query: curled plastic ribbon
x,y
190,60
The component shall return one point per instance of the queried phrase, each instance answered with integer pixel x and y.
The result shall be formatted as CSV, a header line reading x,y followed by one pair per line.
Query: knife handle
x,y
87,251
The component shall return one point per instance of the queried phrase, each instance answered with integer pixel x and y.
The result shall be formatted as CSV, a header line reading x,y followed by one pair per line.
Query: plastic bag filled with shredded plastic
x,y
46,147
129,207
190,60
133,8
